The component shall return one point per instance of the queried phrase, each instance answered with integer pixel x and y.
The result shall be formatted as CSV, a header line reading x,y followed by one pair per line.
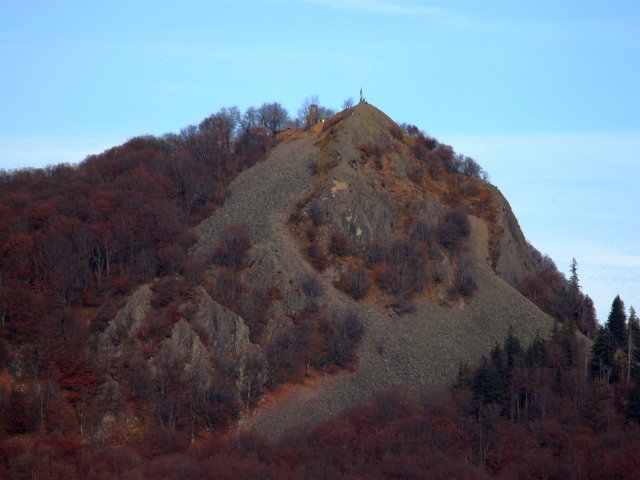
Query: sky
x,y
542,93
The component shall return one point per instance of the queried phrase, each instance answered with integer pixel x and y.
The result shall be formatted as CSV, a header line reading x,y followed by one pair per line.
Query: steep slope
x,y
424,347
325,168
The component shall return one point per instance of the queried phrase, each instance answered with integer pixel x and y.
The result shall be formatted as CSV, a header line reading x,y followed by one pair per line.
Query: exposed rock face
x,y
225,330
126,323
362,207
229,337
514,261
183,355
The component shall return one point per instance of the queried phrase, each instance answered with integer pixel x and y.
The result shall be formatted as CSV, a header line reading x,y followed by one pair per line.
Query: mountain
x,y
174,288
371,205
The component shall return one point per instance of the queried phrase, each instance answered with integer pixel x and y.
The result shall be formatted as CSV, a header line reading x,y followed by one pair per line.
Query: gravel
x,y
259,196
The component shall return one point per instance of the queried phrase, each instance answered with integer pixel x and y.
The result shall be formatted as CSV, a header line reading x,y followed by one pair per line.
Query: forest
x,y
76,241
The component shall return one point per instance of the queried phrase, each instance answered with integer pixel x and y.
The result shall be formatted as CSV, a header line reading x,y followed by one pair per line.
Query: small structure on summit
x,y
316,115
362,99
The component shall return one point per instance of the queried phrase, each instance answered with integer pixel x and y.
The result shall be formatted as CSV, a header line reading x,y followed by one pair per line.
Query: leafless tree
x,y
305,109
273,116
223,126
249,119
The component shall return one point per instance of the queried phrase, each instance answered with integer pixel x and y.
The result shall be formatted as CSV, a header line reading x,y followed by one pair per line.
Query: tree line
x,y
526,411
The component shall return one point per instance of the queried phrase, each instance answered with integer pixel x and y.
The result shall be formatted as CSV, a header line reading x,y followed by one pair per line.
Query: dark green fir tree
x,y
633,347
604,365
617,323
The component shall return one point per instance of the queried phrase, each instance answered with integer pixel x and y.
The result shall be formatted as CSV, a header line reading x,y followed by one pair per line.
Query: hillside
x,y
424,346
174,289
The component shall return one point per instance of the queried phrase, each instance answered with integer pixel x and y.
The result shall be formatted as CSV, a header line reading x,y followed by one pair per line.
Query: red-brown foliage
x,y
356,282
75,240
464,283
317,257
416,174
233,245
339,244
454,229
396,132
341,334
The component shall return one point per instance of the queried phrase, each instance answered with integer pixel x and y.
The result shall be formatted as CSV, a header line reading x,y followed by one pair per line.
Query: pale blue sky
x,y
544,94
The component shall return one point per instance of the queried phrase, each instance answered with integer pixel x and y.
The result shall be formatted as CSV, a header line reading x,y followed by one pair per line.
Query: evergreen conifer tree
x,y
497,358
574,282
575,298
537,352
512,347
617,323
588,323
489,384
633,348
604,365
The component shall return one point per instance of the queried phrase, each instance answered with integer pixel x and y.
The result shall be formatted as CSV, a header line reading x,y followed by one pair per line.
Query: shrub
x,y
402,305
420,231
232,246
356,282
317,215
385,276
339,244
341,333
317,257
170,259
166,290
255,309
396,132
470,187
312,233
228,289
374,255
311,286
416,174
359,283
454,229
366,151
464,283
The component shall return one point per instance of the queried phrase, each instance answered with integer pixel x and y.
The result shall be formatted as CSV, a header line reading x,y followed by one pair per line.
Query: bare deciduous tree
x,y
305,109
249,119
273,116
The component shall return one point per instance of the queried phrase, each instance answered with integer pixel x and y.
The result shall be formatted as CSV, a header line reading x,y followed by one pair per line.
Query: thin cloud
x,y
446,16
377,6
